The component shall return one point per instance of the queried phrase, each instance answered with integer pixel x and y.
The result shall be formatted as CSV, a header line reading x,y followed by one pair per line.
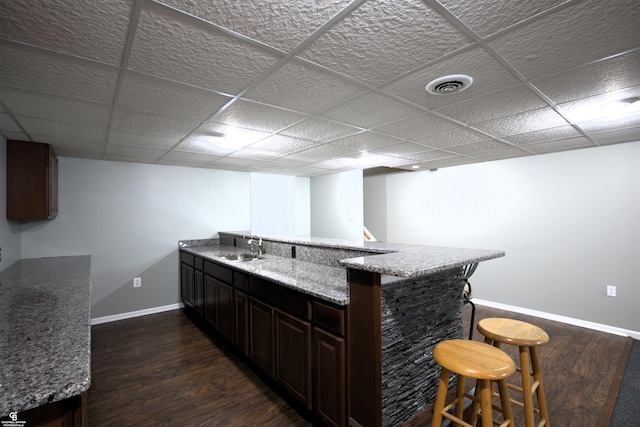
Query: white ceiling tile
x,y
444,162
230,136
18,136
598,107
303,88
74,143
8,124
451,137
61,130
611,74
381,40
543,135
371,109
417,127
494,15
95,30
252,115
616,136
401,150
134,121
127,153
366,141
597,30
477,147
172,45
487,73
51,107
233,162
205,147
141,139
187,158
42,71
429,155
279,23
565,144
255,154
494,105
283,144
501,153
530,121
156,95
610,124
319,129
326,151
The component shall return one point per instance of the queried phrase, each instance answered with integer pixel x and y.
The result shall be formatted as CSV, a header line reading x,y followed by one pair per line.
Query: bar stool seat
x,y
482,362
527,338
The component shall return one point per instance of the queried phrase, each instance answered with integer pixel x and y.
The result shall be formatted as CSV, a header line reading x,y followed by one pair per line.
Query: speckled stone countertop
x,y
330,283
45,331
321,281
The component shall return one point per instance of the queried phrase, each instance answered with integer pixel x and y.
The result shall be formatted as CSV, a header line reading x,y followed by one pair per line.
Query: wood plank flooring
x,y
164,370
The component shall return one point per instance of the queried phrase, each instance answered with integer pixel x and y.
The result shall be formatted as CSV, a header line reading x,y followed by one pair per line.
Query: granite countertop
x,y
321,281
45,331
330,283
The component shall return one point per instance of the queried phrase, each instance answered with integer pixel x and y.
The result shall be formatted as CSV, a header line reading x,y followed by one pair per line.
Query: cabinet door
x,y
293,356
330,381
261,335
210,299
186,284
198,291
241,302
225,309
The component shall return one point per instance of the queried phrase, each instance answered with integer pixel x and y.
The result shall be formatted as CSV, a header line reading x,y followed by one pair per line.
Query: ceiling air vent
x,y
449,84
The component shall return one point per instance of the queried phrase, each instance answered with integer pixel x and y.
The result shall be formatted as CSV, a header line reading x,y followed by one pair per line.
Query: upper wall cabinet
x,y
32,181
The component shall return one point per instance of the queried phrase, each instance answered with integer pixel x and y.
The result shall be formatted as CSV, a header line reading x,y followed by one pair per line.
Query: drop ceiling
x,y
310,87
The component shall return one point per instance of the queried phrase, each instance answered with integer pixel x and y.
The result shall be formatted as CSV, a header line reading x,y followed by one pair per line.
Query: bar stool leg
x,y
505,402
441,396
537,377
525,367
460,396
486,396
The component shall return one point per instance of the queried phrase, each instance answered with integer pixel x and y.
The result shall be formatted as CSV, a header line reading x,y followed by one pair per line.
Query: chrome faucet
x,y
255,245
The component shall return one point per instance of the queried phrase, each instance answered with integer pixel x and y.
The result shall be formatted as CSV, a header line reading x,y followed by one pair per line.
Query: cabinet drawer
x,y
218,271
240,281
329,318
280,297
198,263
187,258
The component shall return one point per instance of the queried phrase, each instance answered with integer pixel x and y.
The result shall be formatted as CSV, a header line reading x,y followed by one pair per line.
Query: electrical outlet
x,y
137,282
611,291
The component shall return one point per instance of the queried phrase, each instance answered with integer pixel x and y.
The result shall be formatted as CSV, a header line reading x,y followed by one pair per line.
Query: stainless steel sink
x,y
239,256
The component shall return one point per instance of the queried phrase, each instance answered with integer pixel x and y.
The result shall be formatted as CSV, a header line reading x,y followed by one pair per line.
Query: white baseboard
x,y
129,315
569,320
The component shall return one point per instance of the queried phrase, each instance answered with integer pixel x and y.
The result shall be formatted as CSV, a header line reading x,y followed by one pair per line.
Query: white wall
x,y
10,241
375,206
569,223
129,218
337,209
280,205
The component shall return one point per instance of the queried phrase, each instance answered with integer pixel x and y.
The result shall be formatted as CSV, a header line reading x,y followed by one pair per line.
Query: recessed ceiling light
x,y
415,167
448,85
622,107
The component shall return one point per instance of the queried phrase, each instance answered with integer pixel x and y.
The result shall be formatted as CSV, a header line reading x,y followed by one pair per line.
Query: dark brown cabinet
x,y
187,284
226,310
297,340
293,356
32,181
210,310
330,380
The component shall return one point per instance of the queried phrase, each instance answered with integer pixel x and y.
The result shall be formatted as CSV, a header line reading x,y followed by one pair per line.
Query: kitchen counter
x,y
315,276
321,281
45,332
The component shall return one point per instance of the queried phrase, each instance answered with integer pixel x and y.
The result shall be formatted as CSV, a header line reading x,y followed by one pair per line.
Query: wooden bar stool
x,y
527,337
484,363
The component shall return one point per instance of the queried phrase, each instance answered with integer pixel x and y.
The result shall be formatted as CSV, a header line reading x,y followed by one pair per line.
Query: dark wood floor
x,y
163,370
